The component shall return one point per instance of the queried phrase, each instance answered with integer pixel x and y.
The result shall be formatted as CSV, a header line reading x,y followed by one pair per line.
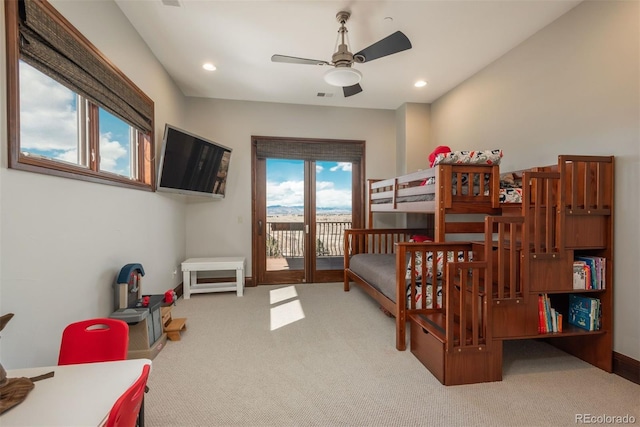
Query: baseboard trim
x,y
626,367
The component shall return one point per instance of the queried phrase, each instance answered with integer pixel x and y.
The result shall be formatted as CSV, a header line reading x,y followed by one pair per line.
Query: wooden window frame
x,y
145,147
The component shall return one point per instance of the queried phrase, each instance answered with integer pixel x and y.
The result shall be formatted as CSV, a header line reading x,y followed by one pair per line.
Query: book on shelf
x,y
560,317
548,313
595,272
584,312
581,276
541,322
549,319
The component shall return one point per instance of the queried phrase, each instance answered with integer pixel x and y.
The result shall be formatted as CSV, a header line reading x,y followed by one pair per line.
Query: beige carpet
x,y
337,366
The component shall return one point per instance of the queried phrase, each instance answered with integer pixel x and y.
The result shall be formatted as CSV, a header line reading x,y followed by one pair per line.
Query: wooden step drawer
x,y
428,349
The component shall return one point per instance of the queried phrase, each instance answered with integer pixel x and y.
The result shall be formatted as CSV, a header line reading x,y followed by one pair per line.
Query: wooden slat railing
x,y
466,315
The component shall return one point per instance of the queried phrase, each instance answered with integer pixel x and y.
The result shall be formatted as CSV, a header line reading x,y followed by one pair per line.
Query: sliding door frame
x,y
258,209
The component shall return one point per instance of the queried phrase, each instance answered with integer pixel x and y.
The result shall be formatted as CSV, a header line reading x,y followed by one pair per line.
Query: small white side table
x,y
191,267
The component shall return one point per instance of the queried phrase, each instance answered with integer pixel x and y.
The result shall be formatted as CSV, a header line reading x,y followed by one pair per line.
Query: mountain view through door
x,y
307,213
305,193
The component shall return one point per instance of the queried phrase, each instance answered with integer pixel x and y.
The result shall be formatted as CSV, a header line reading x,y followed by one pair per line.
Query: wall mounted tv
x,y
192,165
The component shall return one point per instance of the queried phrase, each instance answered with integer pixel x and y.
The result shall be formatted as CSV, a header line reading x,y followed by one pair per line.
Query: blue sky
x,y
114,144
285,183
49,125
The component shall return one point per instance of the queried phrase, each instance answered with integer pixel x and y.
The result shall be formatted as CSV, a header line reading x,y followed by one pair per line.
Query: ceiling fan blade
x,y
352,90
396,42
294,60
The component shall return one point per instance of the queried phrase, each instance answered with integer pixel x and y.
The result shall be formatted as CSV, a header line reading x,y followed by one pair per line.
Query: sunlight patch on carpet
x,y
286,314
282,294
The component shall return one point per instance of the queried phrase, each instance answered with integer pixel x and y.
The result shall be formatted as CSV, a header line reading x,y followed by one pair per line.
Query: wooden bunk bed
x,y
488,291
442,190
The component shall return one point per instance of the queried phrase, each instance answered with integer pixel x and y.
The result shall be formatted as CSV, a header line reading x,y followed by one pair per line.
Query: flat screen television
x,y
192,165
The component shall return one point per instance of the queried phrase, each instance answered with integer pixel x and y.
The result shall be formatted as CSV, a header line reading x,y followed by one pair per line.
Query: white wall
x,y
64,241
572,88
413,124
417,144
218,228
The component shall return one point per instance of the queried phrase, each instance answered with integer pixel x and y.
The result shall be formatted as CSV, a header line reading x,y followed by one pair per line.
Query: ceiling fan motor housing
x,y
342,57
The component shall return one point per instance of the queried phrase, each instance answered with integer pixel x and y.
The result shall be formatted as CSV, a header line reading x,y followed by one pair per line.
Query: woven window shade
x,y
50,44
338,151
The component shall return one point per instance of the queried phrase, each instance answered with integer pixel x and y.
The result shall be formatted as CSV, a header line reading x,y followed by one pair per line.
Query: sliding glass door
x,y
301,209
286,223
333,213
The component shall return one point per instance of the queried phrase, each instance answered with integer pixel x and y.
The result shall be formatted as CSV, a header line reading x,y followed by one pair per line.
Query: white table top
x,y
214,263
215,259
77,395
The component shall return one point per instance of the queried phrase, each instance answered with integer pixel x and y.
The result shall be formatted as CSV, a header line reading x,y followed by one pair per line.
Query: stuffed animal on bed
x,y
440,149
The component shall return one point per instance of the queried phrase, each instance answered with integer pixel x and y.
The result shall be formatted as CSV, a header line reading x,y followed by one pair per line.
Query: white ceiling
x,y
452,40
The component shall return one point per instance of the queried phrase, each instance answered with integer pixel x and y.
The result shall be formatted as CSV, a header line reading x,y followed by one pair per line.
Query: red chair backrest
x,y
125,411
94,340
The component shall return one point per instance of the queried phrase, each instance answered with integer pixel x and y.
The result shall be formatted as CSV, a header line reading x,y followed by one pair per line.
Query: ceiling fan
x,y
342,74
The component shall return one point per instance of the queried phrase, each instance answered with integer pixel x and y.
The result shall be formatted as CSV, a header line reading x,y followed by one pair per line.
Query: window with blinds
x,y
71,112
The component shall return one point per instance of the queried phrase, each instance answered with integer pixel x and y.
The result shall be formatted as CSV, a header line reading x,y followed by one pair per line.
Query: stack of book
x,y
584,312
549,320
589,272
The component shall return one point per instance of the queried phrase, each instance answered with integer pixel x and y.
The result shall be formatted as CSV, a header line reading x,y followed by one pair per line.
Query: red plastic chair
x,y
94,340
126,409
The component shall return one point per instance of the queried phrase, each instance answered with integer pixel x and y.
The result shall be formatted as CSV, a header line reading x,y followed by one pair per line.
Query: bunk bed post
x,y
495,187
347,258
443,182
369,210
401,297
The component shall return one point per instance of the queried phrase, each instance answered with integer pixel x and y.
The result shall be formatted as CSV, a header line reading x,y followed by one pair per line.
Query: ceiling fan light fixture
x,y
343,76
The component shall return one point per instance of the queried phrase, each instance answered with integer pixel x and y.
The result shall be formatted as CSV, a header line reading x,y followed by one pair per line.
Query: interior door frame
x,y
258,212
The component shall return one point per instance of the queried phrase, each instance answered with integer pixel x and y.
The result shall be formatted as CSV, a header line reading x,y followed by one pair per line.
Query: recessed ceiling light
x,y
208,66
420,83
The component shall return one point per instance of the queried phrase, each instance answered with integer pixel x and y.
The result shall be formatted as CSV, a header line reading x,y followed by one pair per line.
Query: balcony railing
x,y
286,239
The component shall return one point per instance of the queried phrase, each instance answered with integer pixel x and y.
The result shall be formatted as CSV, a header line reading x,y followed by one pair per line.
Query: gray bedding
x,y
379,270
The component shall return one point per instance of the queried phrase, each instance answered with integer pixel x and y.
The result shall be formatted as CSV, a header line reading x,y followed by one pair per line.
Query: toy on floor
x,y
172,327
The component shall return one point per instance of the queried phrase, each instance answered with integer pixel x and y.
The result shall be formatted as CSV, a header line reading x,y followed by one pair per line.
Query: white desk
x,y
191,267
77,395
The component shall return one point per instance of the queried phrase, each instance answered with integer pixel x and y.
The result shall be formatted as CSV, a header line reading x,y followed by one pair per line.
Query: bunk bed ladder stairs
x,y
545,261
505,250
